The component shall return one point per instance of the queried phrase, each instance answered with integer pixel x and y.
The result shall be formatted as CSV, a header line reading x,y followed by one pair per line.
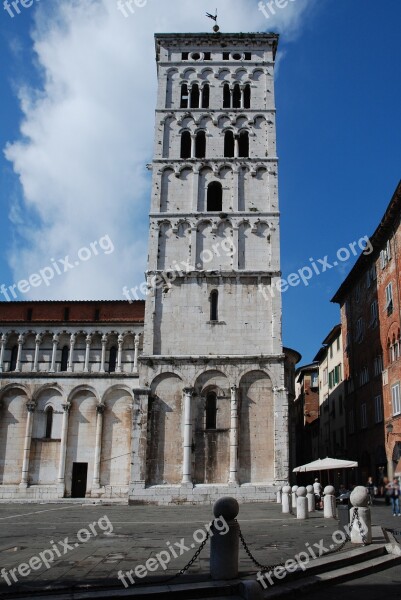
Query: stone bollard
x,y
302,504
224,549
279,495
311,498
294,496
329,502
359,501
286,500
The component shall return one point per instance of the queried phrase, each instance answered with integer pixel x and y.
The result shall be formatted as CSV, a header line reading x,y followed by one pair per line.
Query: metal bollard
x,y
302,504
361,532
224,549
286,500
279,495
294,496
311,498
329,502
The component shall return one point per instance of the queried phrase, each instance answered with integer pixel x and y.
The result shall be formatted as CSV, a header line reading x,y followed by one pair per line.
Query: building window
x,y
338,344
13,359
359,329
378,365
364,376
237,96
248,56
184,96
64,359
389,299
331,351
185,56
337,374
247,96
195,96
205,96
373,314
229,144
351,421
112,359
395,399
97,314
49,423
314,380
200,144
325,377
331,379
385,255
214,305
243,144
378,409
226,96
226,56
207,56
364,416
214,197
185,144
211,411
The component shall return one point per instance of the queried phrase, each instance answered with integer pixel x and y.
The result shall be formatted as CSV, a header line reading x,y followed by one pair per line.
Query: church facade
x,y
184,397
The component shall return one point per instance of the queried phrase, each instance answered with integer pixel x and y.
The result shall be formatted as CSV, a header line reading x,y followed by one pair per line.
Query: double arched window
x,y
186,145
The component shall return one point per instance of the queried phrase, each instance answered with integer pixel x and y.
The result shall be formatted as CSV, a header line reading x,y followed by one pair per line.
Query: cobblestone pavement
x,y
139,533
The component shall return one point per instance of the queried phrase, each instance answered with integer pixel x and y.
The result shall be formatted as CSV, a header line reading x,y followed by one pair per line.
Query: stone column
x,y
100,408
21,341
120,353
27,444
193,140
195,190
87,352
71,354
233,478
63,443
136,353
235,196
3,343
103,358
187,462
236,147
54,354
192,256
139,439
38,341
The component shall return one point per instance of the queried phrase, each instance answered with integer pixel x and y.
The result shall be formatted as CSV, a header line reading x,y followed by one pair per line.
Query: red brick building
x,y
371,320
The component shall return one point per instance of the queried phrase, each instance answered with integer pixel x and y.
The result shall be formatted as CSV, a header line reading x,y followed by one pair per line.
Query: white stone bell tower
x,y
212,407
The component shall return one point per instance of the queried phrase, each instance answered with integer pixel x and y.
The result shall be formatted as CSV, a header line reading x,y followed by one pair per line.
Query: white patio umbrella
x,y
325,464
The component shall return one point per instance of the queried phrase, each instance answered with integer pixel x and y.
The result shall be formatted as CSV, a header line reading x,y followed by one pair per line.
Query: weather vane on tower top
x,y
216,28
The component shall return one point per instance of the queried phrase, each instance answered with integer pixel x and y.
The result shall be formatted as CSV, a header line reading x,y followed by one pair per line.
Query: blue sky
x,y
76,173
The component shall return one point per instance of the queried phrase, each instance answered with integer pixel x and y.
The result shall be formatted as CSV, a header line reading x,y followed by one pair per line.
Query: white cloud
x,y
87,135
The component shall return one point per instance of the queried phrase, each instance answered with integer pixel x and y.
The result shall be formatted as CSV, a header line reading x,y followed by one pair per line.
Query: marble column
x,y
27,444
71,354
193,145
21,341
120,353
87,353
38,341
63,443
233,478
103,358
195,189
136,353
3,342
54,354
187,458
100,408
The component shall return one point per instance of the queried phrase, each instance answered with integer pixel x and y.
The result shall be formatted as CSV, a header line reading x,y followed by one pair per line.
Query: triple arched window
x,y
237,96
194,97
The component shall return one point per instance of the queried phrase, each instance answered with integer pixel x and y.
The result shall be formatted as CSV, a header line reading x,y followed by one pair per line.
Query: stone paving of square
x,y
139,532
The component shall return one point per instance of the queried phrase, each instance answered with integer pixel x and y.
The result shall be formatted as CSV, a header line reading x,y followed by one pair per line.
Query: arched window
x,y
214,305
200,145
215,197
247,96
64,359
185,144
112,359
49,423
184,96
205,95
211,410
226,96
243,144
237,96
195,96
229,144
13,359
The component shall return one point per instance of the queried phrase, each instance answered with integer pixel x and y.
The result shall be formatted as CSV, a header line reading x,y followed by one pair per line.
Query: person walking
x,y
317,490
393,491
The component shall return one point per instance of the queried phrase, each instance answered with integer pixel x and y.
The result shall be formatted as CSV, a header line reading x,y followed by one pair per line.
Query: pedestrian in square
x,y
393,491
